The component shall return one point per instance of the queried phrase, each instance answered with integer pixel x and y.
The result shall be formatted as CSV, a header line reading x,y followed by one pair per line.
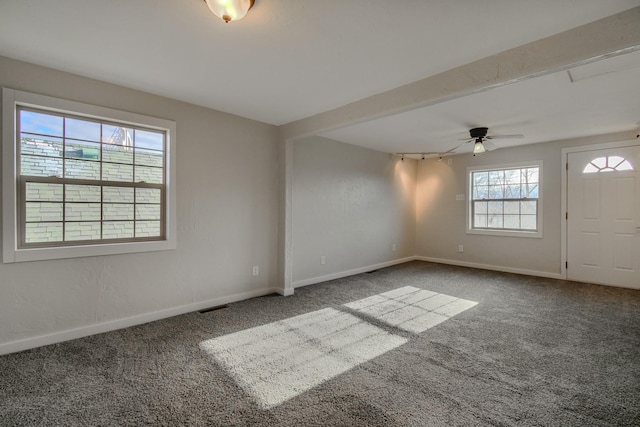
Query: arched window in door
x,y
608,164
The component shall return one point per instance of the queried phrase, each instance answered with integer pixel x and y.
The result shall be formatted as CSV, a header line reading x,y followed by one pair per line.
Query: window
x,y
608,164
506,201
86,180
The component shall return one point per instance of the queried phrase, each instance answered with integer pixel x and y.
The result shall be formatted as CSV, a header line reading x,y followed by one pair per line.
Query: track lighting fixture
x,y
423,155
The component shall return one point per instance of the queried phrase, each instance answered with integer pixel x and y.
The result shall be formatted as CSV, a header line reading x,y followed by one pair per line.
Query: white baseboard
x,y
84,331
285,292
70,334
491,267
340,275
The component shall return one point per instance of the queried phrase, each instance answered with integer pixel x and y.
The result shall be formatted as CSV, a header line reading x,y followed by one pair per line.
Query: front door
x,y
603,225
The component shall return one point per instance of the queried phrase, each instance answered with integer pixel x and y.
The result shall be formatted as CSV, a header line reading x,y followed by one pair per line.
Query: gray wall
x,y
441,219
227,222
350,204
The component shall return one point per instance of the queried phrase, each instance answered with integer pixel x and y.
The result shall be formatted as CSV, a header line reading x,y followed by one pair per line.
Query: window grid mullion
x,y
64,175
135,170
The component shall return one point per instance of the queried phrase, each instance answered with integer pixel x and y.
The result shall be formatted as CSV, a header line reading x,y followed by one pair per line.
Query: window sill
x,y
40,254
506,233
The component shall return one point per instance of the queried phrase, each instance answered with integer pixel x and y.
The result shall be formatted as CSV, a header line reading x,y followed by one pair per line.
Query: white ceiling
x,y
291,59
552,107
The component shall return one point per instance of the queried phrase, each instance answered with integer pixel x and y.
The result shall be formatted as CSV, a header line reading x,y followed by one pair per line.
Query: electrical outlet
x,y
323,260
460,248
393,247
256,270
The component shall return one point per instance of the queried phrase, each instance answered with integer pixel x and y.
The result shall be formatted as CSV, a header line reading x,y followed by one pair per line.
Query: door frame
x,y
565,195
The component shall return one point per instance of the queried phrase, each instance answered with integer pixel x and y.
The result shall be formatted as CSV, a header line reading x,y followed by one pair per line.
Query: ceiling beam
x,y
611,36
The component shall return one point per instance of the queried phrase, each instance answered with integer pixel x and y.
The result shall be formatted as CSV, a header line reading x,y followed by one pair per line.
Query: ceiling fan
x,y
483,141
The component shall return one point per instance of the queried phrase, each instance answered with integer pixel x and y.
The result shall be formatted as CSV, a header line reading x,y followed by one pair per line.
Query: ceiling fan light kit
x,y
478,147
482,141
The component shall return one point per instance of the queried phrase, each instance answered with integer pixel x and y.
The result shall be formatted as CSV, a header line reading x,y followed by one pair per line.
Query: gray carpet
x,y
531,352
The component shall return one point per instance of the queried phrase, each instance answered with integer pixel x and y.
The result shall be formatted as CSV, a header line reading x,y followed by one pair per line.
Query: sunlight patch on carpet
x,y
411,309
281,360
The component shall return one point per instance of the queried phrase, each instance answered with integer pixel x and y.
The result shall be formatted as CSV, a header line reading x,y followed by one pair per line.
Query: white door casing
x,y
603,225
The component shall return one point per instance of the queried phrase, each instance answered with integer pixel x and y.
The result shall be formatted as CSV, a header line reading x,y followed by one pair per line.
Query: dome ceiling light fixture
x,y
230,10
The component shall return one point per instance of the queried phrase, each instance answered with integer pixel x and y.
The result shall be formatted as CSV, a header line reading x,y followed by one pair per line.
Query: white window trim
x,y
11,253
506,233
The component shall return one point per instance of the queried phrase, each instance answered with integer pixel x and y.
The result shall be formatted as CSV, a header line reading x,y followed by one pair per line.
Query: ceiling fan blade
x,y
466,139
452,150
489,146
516,136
